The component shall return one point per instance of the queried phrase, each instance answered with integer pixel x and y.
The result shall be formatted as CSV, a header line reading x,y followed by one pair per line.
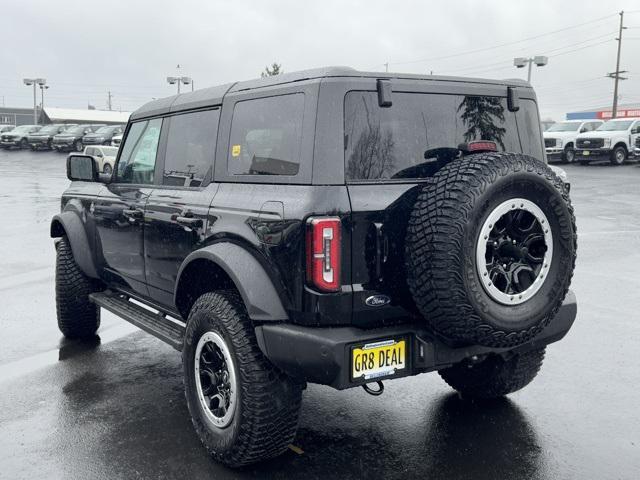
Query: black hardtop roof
x,y
214,95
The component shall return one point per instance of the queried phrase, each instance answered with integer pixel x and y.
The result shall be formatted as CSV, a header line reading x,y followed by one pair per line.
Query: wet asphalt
x,y
114,407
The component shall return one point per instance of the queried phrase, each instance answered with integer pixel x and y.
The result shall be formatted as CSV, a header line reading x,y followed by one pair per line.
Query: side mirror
x,y
81,168
635,130
583,129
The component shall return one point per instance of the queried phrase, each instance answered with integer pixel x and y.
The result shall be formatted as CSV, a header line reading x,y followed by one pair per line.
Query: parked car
x,y
304,229
43,138
103,135
18,136
560,138
71,139
614,140
546,124
105,157
6,128
116,140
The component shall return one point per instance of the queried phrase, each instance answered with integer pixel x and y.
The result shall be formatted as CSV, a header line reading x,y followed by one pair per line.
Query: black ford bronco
x,y
328,226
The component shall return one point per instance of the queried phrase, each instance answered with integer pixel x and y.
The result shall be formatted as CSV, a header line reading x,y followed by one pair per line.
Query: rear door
x,y
119,210
390,151
176,210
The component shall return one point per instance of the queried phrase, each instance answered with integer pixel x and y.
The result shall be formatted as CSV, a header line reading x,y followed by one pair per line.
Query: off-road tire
x,y
268,403
616,153
494,376
77,316
440,251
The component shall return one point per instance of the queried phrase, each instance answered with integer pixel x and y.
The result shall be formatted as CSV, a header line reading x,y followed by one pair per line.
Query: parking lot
x,y
115,408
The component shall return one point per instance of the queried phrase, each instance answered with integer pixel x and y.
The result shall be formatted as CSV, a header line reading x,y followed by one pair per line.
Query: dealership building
x,y
605,113
24,116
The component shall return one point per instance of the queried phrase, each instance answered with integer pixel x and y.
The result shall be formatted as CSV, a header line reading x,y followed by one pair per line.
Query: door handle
x,y
187,220
132,214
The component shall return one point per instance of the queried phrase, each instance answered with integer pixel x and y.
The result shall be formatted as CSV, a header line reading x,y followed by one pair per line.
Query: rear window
x,y
191,144
388,143
266,136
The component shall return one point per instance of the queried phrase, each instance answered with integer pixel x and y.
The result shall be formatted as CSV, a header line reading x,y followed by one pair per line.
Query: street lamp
x,y
42,89
179,80
42,82
521,62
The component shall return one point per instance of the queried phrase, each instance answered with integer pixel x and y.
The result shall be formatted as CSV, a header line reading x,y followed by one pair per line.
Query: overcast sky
x,y
84,49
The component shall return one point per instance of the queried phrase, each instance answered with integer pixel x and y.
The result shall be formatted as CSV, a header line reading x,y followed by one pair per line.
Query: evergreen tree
x,y
482,115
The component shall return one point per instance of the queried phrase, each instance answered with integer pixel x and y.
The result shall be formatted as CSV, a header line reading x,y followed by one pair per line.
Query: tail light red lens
x,y
323,253
482,146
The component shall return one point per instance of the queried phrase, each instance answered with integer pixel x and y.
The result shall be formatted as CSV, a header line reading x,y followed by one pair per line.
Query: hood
x,y
559,134
601,134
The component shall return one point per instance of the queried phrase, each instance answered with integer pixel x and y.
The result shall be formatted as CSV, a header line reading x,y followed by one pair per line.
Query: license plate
x,y
378,359
586,153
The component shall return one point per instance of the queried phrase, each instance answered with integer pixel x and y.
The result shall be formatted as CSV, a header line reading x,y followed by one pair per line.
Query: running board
x,y
157,324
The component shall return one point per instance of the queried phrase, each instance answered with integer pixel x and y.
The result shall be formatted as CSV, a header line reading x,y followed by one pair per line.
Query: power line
x,y
544,52
469,52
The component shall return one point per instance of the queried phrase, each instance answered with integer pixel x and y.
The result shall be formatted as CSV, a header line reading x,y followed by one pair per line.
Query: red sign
x,y
621,113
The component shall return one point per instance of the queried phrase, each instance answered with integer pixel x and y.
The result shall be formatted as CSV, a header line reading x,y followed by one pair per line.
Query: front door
x,y
120,208
176,212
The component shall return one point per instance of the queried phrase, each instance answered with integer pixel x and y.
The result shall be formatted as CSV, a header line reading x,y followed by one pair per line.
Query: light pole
x,y
521,62
35,81
179,80
42,89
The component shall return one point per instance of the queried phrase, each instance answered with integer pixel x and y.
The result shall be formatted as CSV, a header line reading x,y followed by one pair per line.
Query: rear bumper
x,y
323,355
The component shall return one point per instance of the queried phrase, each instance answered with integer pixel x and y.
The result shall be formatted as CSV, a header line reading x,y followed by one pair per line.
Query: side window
x,y
266,136
138,159
529,129
191,146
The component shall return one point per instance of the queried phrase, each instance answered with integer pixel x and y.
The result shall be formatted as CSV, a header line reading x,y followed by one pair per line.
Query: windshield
x,y
104,130
564,127
48,130
75,130
23,128
110,151
615,125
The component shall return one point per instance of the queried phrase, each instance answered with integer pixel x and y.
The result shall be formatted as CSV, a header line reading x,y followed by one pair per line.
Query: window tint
x,y
391,143
529,130
191,145
138,159
266,136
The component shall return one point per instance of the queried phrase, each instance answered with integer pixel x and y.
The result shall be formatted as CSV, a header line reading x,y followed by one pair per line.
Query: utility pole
x,y
616,75
386,67
109,96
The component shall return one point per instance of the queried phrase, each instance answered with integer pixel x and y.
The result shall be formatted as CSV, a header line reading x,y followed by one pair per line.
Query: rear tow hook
x,y
373,392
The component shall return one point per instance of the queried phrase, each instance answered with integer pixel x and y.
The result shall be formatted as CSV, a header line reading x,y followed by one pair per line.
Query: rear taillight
x,y
323,253
482,146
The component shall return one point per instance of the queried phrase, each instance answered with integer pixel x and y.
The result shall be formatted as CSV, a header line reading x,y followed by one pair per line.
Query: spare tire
x,y
490,249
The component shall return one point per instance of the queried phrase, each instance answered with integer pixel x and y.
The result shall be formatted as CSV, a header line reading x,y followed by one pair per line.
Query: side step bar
x,y
157,324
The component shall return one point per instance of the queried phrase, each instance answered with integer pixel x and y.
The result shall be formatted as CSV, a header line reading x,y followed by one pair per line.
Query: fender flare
x,y
69,224
256,288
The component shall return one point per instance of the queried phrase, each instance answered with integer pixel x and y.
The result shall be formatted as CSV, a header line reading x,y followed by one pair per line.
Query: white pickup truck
x,y
560,138
615,140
